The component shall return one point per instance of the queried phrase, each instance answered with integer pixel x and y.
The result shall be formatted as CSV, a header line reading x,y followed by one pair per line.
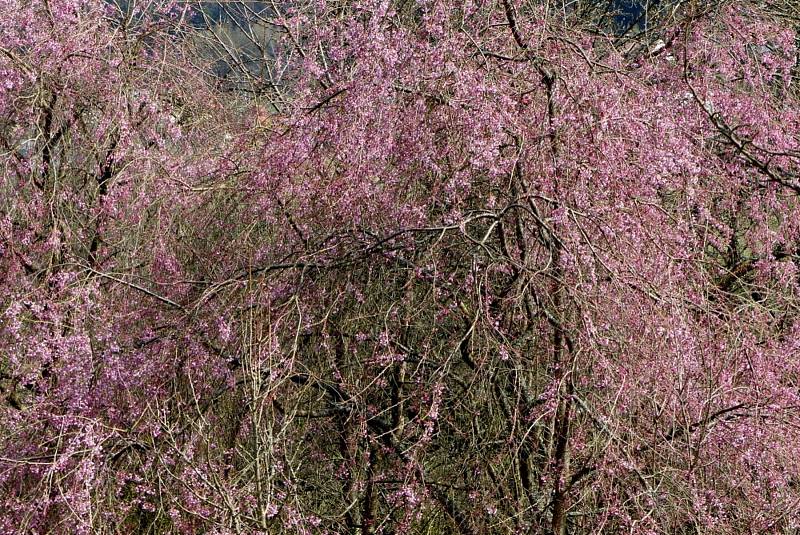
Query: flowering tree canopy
x,y
399,267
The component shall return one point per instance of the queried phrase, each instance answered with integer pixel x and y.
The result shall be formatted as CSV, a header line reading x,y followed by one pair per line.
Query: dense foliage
x,y
414,267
